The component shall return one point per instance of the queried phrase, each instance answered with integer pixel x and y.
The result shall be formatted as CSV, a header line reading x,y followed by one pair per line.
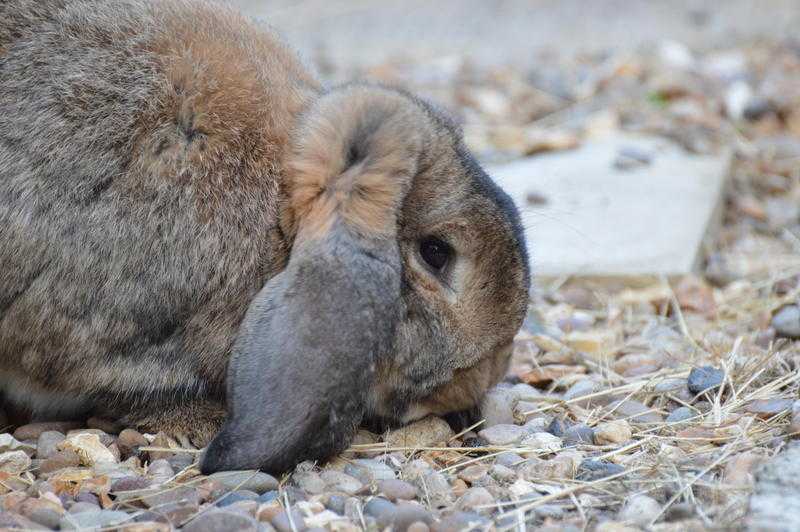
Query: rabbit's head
x,y
407,281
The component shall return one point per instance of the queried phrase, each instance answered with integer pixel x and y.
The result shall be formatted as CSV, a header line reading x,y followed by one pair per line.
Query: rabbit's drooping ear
x,y
305,358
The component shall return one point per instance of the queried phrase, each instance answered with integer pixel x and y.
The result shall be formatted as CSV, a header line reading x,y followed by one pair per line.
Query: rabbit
x,y
198,237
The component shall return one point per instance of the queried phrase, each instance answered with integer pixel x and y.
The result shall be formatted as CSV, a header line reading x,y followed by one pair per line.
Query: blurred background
x,y
627,131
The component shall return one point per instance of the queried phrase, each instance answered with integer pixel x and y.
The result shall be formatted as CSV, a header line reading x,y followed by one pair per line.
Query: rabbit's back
x,y
139,185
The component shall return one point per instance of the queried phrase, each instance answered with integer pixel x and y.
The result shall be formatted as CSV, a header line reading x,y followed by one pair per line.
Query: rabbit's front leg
x,y
193,422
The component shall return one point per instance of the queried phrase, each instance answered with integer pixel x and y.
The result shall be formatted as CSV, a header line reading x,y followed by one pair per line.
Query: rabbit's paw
x,y
189,424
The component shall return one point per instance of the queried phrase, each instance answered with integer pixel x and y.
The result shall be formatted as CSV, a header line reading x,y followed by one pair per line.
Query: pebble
x,y
46,517
292,521
786,321
382,510
612,432
579,434
10,520
32,431
341,482
129,442
437,489
461,521
212,521
596,469
704,378
422,433
542,441
794,420
14,462
682,413
640,510
475,497
101,519
10,443
766,408
309,481
634,411
395,489
89,448
268,496
473,473
369,471
502,473
130,484
536,424
738,470
498,407
557,427
525,392
238,496
159,496
245,480
80,507
161,471
505,434
509,459
409,513
581,388
669,385
48,442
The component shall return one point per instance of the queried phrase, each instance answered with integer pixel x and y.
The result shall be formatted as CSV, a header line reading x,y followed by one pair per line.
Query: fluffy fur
x,y
175,188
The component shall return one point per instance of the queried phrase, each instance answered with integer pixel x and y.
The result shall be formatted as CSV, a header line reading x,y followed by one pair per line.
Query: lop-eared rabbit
x,y
196,237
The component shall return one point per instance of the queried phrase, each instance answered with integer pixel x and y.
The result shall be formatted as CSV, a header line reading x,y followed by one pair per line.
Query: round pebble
x,y
786,321
395,489
704,378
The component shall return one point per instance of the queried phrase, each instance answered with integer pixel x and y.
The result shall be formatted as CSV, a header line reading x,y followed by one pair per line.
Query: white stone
x,y
542,441
89,448
602,221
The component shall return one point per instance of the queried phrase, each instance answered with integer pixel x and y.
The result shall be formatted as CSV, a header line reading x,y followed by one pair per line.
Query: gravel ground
x,y
627,406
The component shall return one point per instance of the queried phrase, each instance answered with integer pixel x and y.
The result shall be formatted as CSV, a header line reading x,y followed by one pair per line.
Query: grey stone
x,y
237,496
394,489
309,481
46,517
268,496
640,510
502,473
787,321
289,521
498,407
47,445
369,471
94,520
474,498
505,434
579,434
246,480
509,459
80,507
215,520
682,413
11,520
775,502
557,427
341,482
460,521
382,510
704,378
596,469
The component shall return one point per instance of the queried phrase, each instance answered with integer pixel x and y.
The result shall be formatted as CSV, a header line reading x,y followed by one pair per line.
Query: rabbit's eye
x,y
435,252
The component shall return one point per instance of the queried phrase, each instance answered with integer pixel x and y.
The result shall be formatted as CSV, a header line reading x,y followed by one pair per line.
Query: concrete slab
x,y
598,220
